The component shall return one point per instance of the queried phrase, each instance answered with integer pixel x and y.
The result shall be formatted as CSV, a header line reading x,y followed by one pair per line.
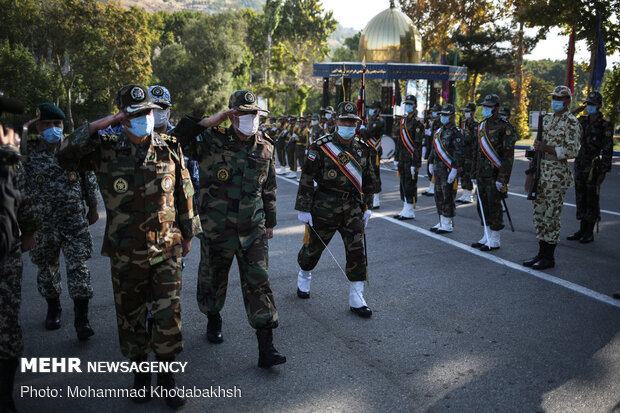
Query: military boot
x,y
81,324
588,232
547,260
267,354
141,382
214,328
166,381
539,255
8,367
577,235
52,320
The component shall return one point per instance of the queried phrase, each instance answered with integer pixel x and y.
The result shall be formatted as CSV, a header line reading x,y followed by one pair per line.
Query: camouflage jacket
x,y
329,126
564,133
320,168
237,183
452,140
146,189
375,127
416,131
58,194
315,133
469,129
597,139
502,136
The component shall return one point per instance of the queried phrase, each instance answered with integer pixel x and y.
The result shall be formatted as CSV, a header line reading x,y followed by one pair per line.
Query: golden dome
x,y
391,37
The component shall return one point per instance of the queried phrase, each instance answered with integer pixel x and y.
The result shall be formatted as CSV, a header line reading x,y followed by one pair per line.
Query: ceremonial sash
x,y
346,163
375,143
440,150
404,136
487,148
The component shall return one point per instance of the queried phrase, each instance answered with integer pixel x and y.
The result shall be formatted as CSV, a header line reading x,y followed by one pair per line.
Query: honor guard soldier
x,y
372,134
281,137
560,142
301,145
341,165
238,212
329,126
292,135
408,157
444,162
591,164
59,197
316,131
427,145
491,169
469,129
148,194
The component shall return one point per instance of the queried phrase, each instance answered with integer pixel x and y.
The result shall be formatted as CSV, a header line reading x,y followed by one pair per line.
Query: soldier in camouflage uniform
x,y
238,212
301,145
408,157
316,131
372,134
21,239
427,146
59,196
148,194
469,129
445,160
491,169
281,135
341,165
329,124
560,142
591,164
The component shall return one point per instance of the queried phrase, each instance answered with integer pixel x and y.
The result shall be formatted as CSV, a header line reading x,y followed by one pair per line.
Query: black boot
x,y
141,383
81,324
547,261
267,354
577,235
532,261
588,233
52,320
214,328
166,381
8,367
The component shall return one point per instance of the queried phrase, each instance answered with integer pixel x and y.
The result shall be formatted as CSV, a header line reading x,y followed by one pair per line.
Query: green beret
x,y
49,111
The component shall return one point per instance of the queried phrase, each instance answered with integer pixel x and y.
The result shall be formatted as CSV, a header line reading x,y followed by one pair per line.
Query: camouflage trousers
x,y
445,193
491,203
465,177
408,183
253,262
290,156
11,345
77,247
547,211
328,218
140,288
587,197
281,151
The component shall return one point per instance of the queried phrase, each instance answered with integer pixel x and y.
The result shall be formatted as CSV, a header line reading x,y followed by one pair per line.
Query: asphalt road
x,y
453,329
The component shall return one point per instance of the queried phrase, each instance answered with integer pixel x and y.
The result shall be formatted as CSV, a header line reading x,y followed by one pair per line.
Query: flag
x,y
570,69
361,97
600,60
446,84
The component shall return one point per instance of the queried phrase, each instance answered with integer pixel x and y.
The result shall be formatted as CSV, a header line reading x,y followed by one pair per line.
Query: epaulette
x,y
360,141
109,138
323,139
219,130
267,138
168,138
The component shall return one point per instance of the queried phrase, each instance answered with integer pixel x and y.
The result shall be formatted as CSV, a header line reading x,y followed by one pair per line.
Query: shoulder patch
x,y
361,142
109,138
220,130
324,139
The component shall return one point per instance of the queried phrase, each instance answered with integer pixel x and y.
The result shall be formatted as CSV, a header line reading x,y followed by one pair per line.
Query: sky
x,y
357,13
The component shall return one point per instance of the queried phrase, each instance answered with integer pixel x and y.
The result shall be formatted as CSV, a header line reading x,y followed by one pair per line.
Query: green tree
x,y
611,94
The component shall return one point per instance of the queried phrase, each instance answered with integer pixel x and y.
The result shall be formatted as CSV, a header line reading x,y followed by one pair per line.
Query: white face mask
x,y
315,122
468,115
248,124
161,117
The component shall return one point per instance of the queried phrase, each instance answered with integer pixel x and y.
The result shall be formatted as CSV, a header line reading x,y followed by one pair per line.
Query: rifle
x,y
535,157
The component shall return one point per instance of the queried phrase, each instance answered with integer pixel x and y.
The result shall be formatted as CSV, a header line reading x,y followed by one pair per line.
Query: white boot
x,y
431,189
282,170
407,212
298,176
483,240
303,283
466,197
291,175
445,225
375,201
357,304
435,227
492,242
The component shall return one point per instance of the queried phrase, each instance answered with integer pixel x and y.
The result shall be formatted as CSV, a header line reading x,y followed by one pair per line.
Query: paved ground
x,y
453,329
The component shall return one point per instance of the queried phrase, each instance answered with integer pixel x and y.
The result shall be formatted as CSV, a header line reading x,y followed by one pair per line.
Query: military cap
x,y
595,98
303,119
292,117
505,110
436,107
412,100
315,116
329,109
49,111
347,110
447,109
376,104
283,117
244,101
160,95
561,91
491,100
134,98
471,107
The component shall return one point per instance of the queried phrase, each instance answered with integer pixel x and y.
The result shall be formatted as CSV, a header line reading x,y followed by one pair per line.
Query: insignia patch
x,y
137,94
417,129
508,132
343,159
249,97
39,179
312,156
348,107
72,176
157,91
222,174
167,183
38,112
332,173
262,178
120,185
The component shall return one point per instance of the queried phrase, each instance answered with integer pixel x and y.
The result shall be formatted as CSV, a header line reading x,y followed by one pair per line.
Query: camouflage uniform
x,y
293,134
301,143
59,196
405,159
281,136
469,130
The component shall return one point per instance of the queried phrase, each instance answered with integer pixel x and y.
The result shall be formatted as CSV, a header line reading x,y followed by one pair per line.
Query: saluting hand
x,y
218,118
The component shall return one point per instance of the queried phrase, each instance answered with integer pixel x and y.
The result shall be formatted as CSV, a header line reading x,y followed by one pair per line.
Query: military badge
x,y
349,107
508,132
157,91
249,97
332,174
137,94
222,174
343,159
72,176
167,183
359,153
120,185
262,178
312,156
39,179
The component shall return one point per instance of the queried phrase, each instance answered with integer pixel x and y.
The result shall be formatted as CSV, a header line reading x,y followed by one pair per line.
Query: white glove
x,y
427,132
306,152
412,169
431,169
473,181
499,186
362,127
452,175
305,217
423,151
395,164
366,217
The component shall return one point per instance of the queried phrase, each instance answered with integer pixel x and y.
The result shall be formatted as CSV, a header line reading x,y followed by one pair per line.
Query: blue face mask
x,y
346,132
328,115
557,105
504,117
408,109
52,135
487,111
434,114
142,126
591,109
445,119
372,112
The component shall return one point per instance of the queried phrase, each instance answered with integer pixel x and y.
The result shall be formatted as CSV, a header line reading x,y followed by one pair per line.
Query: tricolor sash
x,y
375,143
440,150
405,137
487,148
346,163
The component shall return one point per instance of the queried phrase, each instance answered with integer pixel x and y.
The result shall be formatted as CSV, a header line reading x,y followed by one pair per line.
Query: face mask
x,y
445,119
52,135
248,124
487,111
591,109
142,126
372,112
346,132
315,122
434,114
504,117
161,117
468,115
328,115
408,109
557,105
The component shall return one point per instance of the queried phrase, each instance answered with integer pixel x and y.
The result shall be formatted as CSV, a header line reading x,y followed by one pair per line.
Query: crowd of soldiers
x,y
163,185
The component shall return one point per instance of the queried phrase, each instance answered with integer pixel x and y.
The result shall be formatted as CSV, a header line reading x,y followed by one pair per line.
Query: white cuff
x,y
559,153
